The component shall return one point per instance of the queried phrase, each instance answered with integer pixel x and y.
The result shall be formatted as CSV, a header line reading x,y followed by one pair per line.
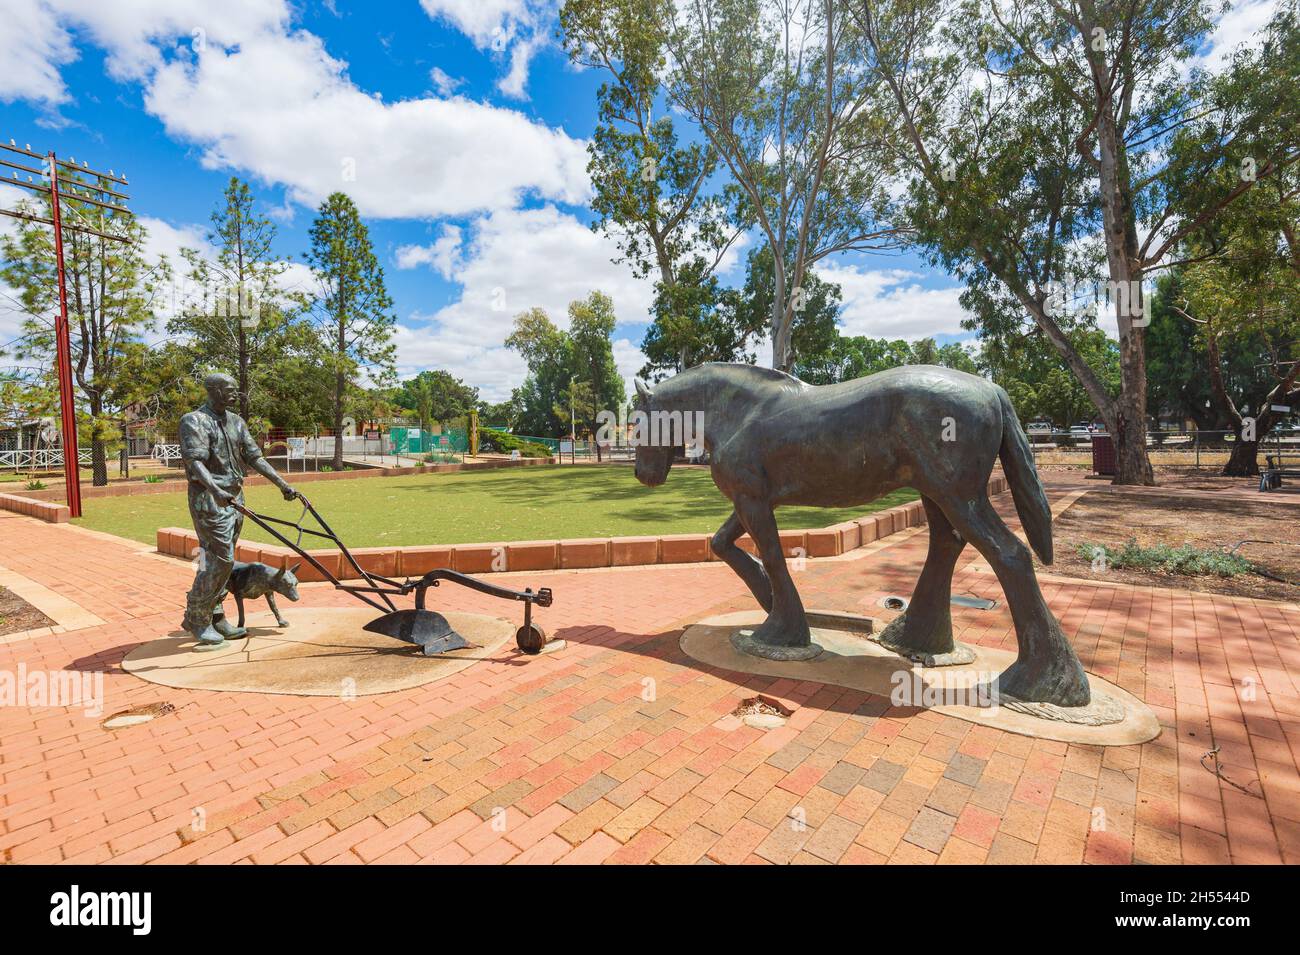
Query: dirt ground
x,y
17,614
1198,479
1111,518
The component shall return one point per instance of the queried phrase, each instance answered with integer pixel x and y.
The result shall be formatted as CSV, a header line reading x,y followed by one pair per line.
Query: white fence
x,y
166,453
46,459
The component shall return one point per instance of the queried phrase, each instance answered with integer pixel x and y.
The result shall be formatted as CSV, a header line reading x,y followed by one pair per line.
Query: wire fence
x,y
408,447
1181,448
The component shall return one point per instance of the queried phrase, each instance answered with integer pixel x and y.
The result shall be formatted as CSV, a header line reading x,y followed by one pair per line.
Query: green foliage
x,y
435,395
780,91
112,293
493,440
1036,378
1186,559
35,485
352,304
568,372
153,479
238,321
650,189
855,356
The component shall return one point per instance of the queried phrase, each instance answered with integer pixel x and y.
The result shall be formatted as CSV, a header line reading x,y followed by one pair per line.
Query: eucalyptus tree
x,y
652,190
784,93
1038,140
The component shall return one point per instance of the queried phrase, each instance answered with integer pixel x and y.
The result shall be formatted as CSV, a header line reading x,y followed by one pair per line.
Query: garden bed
x,y
17,615
1205,522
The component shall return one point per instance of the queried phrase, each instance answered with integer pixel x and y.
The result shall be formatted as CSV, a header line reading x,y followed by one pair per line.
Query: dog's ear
x,y
294,569
279,573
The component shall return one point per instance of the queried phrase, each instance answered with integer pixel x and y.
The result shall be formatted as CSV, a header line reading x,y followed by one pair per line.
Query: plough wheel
x,y
530,638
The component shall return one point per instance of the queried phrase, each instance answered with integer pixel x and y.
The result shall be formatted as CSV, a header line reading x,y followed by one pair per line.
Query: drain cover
x,y
893,602
137,715
979,603
762,712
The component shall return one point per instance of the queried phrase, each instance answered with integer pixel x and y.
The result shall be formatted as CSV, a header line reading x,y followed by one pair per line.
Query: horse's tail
x,y
1026,488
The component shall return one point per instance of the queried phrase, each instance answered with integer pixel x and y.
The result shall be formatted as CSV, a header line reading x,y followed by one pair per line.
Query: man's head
x,y
221,391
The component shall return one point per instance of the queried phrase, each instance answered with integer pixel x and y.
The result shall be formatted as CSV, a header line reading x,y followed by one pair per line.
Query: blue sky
x,y
456,125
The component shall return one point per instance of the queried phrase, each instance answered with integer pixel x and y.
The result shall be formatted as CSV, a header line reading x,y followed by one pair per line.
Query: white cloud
x,y
890,303
135,33
629,359
443,81
256,95
443,255
516,27
1243,23
283,108
514,260
32,48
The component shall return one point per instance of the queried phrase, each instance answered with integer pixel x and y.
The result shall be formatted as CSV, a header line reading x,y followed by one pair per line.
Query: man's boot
x,y
227,629
200,625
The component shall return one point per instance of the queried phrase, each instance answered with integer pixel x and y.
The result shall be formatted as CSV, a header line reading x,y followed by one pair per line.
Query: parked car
x,y
1081,432
1039,427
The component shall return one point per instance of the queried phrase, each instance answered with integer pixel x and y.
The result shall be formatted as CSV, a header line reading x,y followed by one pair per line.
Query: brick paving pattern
x,y
620,749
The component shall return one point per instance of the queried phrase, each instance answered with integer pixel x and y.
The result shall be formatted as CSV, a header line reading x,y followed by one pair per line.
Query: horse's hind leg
x,y
924,631
1046,668
746,567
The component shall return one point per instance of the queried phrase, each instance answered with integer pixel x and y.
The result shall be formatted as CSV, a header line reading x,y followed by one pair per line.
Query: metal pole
x,y
67,407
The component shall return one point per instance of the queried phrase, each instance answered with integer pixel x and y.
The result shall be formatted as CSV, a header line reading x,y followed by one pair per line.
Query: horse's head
x,y
652,460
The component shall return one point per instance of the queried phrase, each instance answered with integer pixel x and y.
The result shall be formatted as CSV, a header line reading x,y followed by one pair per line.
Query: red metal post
x,y
67,404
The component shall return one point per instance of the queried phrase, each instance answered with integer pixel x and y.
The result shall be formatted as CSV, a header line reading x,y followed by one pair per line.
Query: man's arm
x,y
257,461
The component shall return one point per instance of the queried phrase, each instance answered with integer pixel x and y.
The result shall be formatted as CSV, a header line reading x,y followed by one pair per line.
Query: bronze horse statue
x,y
774,440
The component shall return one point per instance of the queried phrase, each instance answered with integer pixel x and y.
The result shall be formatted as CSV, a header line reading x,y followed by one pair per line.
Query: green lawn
x,y
536,503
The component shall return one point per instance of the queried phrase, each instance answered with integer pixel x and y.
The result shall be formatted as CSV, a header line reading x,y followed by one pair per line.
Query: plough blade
x,y
427,629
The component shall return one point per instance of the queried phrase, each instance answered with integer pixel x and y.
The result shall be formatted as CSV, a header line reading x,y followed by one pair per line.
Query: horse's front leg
x,y
784,635
746,567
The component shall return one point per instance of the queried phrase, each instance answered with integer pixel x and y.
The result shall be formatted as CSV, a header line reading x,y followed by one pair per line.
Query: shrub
x,y
36,485
492,440
1185,559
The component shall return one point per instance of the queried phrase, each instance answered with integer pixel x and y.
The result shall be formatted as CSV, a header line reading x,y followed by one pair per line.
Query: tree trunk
x,y
1132,465
1132,311
98,450
243,362
1244,459
98,461
782,355
340,383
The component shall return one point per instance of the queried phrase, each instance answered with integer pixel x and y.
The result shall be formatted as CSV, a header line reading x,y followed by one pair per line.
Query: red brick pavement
x,y
621,749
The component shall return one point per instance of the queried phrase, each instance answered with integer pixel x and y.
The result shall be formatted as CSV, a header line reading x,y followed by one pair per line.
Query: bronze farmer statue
x,y
218,451
773,440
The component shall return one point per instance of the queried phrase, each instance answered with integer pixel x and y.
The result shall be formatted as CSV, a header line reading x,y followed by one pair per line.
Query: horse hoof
x,y
746,642
1063,685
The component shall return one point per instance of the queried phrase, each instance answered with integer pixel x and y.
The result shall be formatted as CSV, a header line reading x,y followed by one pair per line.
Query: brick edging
x,y
566,554
48,511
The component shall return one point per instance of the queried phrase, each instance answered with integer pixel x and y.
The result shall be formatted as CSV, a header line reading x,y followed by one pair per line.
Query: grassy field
x,y
539,503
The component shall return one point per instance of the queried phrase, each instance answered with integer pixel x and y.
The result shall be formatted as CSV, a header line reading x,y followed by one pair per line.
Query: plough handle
x,y
541,597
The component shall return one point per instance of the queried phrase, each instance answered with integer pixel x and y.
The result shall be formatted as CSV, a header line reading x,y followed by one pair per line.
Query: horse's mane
x,y
740,370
